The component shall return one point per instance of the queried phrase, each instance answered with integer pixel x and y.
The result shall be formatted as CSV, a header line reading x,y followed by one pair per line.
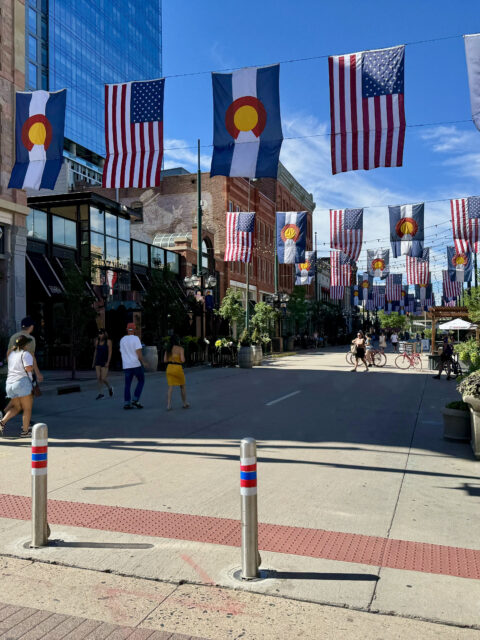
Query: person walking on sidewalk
x,y
445,359
394,341
101,362
131,352
359,343
19,385
383,342
175,357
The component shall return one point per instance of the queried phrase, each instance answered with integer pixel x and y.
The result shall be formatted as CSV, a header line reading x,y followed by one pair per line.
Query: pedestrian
x,y
394,341
382,342
407,336
175,357
19,385
369,350
445,359
101,362
131,352
359,354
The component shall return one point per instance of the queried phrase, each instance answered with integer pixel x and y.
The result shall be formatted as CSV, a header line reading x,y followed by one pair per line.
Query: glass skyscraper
x,y
81,45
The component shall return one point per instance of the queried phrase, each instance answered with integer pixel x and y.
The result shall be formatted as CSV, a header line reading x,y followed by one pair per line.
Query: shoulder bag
x,y
36,391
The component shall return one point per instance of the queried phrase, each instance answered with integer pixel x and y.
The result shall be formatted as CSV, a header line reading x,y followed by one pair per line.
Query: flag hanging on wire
x,y
472,52
378,296
336,292
247,129
393,291
365,283
423,291
305,271
451,289
346,231
367,111
404,296
239,236
406,229
459,265
133,134
378,262
418,269
291,236
340,269
465,223
355,294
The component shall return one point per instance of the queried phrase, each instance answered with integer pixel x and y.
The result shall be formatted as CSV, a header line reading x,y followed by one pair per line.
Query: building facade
x,y
13,209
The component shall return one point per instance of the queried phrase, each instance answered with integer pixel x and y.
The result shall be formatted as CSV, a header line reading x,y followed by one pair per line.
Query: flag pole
x,y
475,267
247,309
316,271
199,213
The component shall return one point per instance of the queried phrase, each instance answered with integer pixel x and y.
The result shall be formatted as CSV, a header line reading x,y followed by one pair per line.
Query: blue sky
x,y
440,160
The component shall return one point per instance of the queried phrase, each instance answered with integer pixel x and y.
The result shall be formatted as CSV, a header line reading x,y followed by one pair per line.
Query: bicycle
x,y
408,360
455,369
379,358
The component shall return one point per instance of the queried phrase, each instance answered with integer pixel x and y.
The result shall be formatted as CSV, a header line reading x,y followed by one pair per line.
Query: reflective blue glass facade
x,y
94,42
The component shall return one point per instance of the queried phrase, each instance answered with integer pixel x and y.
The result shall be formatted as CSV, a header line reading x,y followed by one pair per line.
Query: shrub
x,y
470,386
458,404
469,352
245,339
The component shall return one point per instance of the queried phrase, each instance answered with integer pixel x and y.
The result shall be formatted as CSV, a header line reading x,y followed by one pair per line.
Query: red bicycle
x,y
409,360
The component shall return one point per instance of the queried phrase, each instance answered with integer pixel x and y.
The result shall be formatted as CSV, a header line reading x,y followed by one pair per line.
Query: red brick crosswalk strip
x,y
313,543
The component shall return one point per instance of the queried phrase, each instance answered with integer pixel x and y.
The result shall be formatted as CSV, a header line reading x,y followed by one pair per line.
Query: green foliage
x,y
298,308
471,300
428,334
163,307
469,352
470,386
222,343
393,320
264,318
245,339
459,405
231,308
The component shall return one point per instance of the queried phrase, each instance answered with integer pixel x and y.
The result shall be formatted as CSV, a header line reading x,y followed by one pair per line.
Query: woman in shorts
x,y
19,385
359,343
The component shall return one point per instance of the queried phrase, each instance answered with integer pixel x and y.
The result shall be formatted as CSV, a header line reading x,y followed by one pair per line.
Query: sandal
x,y
2,427
26,434
186,406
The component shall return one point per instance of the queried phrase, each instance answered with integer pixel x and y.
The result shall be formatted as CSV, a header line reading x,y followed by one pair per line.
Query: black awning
x,y
143,280
60,264
45,273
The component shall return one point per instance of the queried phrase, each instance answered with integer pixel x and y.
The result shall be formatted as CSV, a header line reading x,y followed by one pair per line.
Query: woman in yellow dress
x,y
175,357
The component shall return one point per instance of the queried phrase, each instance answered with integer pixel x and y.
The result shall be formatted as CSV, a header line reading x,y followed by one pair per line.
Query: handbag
x,y
36,391
353,349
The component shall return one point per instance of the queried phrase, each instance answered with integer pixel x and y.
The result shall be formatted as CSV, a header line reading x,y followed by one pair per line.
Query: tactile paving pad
x,y
313,543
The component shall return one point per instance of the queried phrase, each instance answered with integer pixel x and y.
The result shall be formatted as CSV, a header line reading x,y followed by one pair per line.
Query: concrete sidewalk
x,y
358,457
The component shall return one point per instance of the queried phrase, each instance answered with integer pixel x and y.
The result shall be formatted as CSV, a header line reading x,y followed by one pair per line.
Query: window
x,y
64,232
111,225
112,250
205,254
97,220
32,75
173,261
32,48
123,229
124,254
237,208
140,253
37,225
32,20
97,246
230,205
158,257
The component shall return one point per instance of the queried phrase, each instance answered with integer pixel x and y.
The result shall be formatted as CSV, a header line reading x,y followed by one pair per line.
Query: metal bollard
x,y
40,529
248,494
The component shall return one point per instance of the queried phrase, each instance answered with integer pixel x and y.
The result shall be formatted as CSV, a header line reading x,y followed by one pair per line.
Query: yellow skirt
x,y
175,375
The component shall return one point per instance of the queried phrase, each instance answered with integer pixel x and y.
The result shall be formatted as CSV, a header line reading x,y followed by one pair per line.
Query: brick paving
x,y
32,624
313,543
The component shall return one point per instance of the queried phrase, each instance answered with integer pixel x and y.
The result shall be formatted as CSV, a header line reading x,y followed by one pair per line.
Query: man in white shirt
x,y
394,341
131,351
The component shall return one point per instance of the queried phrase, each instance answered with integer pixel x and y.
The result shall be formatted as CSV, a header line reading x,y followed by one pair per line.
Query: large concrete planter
x,y
475,416
456,424
257,355
245,357
150,356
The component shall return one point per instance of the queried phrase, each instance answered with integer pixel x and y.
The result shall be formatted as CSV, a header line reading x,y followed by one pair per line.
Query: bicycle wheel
x,y
383,360
417,362
402,361
349,358
378,359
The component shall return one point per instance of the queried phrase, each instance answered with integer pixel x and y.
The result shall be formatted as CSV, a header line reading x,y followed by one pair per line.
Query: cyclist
x,y
445,359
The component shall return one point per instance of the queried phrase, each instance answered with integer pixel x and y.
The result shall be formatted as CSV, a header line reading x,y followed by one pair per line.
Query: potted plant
x,y
469,387
245,352
257,348
456,421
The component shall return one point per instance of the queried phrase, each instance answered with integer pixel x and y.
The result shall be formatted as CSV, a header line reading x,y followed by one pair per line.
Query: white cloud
x,y
458,150
178,153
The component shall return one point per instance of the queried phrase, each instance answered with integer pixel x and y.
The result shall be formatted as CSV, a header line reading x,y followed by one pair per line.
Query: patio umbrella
x,y
457,324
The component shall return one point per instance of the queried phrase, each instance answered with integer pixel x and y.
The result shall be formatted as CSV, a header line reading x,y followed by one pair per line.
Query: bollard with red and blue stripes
x,y
39,456
248,476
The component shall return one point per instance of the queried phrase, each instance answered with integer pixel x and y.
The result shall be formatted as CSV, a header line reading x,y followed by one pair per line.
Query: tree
x,y
298,308
79,312
231,308
393,320
471,299
264,318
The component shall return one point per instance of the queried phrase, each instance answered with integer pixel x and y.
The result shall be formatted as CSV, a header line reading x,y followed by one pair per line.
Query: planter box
x,y
475,415
245,357
456,424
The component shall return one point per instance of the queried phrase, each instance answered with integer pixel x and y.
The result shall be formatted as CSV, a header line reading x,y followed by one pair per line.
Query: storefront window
x,y
158,257
37,225
124,254
111,224
97,246
173,262
97,220
112,250
124,229
64,232
140,253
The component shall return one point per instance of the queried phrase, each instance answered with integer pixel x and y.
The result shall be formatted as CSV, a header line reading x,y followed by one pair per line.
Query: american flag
x,y
367,109
447,302
239,236
394,287
340,269
465,223
451,289
133,134
337,293
418,269
346,231
378,296
410,306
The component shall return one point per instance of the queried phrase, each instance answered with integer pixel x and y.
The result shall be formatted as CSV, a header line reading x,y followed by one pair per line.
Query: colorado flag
x,y
39,128
291,236
247,130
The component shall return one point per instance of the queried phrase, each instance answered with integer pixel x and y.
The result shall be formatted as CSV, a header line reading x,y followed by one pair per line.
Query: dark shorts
x,y
360,353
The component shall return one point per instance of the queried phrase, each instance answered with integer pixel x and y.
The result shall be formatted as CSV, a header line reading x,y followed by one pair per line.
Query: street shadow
x,y
115,486
471,489
314,575
99,545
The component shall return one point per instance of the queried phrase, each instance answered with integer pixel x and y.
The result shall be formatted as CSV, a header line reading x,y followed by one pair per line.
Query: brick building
x,y
13,209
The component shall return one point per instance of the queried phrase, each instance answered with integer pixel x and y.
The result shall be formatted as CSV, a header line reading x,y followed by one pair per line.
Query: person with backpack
x,y
19,386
